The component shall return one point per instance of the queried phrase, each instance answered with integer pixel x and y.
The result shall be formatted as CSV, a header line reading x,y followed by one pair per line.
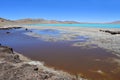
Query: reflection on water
x,y
48,32
56,35
93,63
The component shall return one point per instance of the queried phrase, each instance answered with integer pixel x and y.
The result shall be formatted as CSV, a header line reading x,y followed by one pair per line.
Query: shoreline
x,y
18,67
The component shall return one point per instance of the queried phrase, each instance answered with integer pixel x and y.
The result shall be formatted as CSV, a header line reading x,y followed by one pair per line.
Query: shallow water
x,y
94,63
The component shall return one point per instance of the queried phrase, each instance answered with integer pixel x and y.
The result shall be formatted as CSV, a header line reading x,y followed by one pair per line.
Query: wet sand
x,y
87,60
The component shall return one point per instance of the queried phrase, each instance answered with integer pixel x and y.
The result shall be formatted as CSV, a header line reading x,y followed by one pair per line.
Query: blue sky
x,y
78,10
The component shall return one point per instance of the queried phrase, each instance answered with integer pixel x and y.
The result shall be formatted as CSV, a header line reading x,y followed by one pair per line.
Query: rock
x,y
10,28
4,49
26,29
16,59
16,27
36,69
111,32
8,55
7,32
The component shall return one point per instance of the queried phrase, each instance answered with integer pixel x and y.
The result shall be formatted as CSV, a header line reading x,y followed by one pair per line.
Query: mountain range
x,y
116,22
40,21
35,21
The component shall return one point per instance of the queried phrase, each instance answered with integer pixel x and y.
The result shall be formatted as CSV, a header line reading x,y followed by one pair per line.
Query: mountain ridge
x,y
115,22
34,21
4,21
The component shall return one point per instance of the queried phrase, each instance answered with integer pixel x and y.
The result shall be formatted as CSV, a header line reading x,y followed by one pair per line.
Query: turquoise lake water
x,y
80,25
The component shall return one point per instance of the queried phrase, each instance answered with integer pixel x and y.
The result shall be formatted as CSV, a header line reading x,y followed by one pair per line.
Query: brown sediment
x,y
14,66
78,61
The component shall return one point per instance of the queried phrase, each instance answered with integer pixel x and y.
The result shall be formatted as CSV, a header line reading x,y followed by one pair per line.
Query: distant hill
x,y
34,21
29,21
2,20
40,21
115,22
5,21
43,21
